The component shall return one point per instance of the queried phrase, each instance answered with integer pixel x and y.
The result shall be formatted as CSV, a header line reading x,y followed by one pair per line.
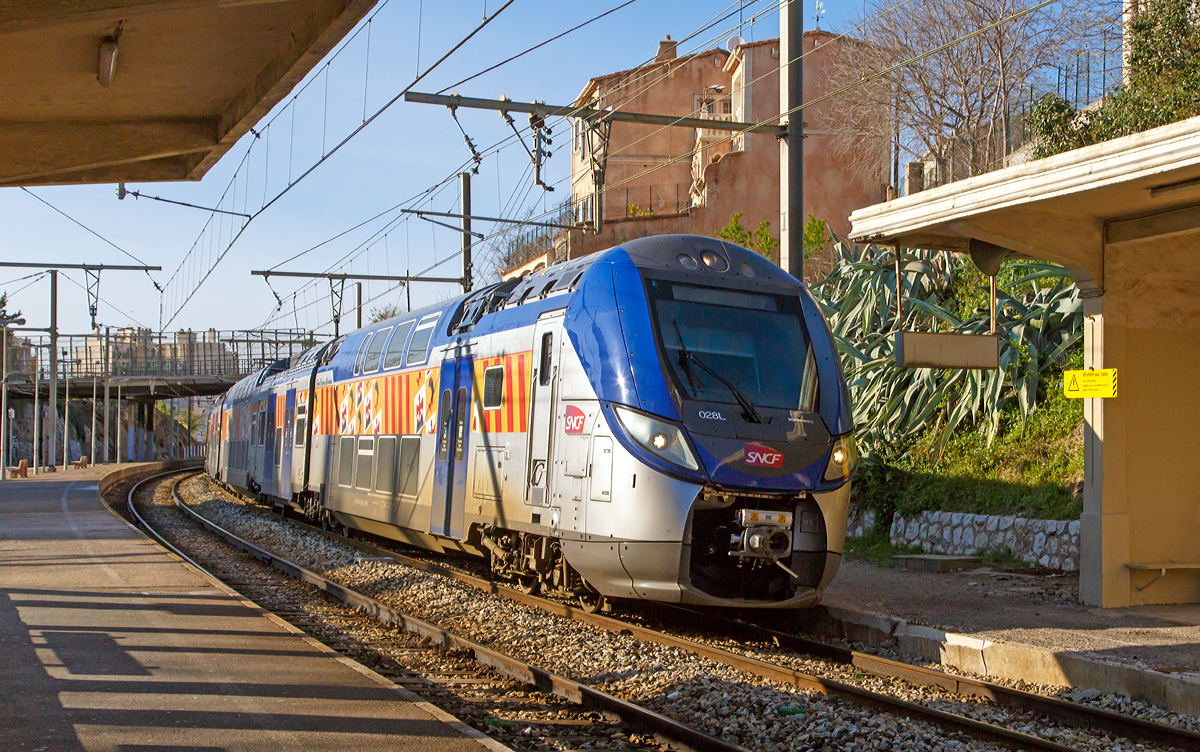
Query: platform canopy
x,y
190,78
1124,218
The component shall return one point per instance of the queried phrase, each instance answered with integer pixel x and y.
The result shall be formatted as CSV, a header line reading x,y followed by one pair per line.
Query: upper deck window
x,y
419,347
394,357
375,351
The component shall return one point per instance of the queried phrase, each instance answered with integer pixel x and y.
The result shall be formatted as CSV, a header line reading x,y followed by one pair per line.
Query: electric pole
x,y
791,146
466,231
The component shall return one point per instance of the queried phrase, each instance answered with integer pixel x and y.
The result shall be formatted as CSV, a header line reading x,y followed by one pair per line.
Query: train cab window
x,y
346,461
366,456
410,455
385,465
419,347
493,388
546,360
301,423
394,357
362,350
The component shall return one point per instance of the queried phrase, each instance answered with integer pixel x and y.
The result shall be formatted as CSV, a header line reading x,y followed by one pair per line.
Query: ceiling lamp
x,y
108,62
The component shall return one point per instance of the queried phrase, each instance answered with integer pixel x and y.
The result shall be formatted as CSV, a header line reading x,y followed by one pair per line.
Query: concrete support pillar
x,y
150,432
1140,526
1104,525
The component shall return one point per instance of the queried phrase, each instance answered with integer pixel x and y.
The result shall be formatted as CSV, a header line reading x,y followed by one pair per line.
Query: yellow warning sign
x,y
1082,384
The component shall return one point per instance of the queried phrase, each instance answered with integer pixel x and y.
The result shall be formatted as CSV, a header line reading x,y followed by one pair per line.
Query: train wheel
x,y
529,585
591,601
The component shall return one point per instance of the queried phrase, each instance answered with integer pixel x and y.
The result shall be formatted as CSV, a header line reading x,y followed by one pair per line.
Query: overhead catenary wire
x,y
325,157
828,95
508,141
105,302
93,232
883,72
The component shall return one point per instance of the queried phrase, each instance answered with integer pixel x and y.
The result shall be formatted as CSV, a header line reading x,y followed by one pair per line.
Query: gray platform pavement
x,y
1024,626
110,644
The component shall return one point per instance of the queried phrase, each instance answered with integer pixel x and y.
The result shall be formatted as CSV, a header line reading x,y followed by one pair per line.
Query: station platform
x,y
110,644
1020,626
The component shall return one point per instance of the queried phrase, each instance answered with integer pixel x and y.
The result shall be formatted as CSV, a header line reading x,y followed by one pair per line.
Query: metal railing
x,y
143,352
646,200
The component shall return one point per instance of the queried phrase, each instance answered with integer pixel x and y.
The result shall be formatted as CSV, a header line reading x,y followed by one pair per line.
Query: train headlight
x,y
843,459
664,439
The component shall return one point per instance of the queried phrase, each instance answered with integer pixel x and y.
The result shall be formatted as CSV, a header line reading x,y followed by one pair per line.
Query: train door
x,y
547,332
454,431
284,445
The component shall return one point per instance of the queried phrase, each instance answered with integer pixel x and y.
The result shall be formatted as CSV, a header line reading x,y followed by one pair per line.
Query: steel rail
x,y
772,672
639,718
1076,715
1080,716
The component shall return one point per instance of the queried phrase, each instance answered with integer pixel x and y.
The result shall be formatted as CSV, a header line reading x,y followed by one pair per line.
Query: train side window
x,y
366,456
547,358
419,347
410,456
346,461
394,356
444,429
362,351
375,351
460,428
385,465
254,428
301,423
278,444
262,427
493,388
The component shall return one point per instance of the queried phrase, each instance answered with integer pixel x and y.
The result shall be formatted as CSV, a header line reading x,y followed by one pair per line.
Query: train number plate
x,y
750,517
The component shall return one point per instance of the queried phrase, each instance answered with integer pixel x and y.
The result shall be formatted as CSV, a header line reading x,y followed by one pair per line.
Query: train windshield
x,y
717,342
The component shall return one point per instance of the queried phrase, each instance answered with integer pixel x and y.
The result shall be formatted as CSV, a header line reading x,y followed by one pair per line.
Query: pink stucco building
x,y
671,179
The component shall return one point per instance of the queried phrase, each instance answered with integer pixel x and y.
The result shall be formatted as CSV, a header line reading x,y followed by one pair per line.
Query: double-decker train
x,y
666,420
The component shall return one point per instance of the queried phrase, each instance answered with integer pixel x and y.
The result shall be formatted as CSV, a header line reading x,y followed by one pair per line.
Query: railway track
x,y
476,683
1061,711
1020,703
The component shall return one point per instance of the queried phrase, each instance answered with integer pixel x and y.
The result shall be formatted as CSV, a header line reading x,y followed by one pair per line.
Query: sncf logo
x,y
575,418
761,456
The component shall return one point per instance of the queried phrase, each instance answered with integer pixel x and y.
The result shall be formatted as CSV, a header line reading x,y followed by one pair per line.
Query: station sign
x,y
1090,384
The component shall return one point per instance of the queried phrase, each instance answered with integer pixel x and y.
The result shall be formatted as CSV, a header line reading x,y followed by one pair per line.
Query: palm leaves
x,y
892,405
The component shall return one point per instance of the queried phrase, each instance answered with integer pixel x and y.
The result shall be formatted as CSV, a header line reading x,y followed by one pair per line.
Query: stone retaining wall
x,y
1053,544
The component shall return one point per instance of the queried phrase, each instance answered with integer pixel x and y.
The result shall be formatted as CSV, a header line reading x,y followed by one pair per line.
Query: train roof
x,y
527,297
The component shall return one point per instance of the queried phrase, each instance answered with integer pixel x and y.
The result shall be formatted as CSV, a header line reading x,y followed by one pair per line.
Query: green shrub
x,y
1164,85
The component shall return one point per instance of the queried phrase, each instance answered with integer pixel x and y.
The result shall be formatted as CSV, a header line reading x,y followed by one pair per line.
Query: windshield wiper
x,y
686,358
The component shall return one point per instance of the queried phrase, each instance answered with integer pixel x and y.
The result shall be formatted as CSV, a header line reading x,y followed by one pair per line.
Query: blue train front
x,y
666,420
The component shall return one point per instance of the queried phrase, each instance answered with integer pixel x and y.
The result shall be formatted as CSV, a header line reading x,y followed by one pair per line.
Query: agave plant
x,y
1037,326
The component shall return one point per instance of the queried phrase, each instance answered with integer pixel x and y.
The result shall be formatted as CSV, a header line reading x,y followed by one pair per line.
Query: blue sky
x,y
407,149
